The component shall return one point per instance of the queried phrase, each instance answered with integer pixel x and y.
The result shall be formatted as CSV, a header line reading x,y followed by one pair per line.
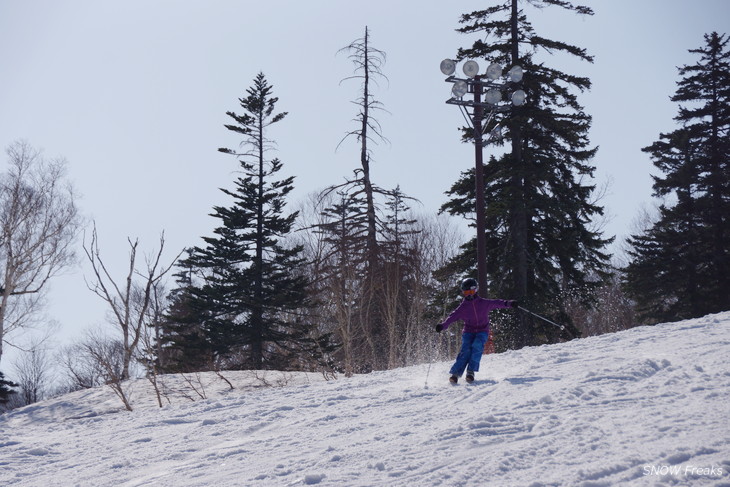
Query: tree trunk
x,y
519,210
257,351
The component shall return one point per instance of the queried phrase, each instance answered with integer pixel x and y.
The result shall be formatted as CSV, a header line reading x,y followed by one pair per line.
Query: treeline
x,y
680,262
343,284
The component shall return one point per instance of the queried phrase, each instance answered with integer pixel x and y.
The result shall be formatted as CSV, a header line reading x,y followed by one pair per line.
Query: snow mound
x,y
645,406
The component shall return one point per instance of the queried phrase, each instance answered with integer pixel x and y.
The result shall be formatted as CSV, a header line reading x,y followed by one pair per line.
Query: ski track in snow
x,y
593,412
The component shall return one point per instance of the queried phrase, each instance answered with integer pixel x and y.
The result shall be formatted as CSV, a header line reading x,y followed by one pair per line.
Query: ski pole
x,y
541,317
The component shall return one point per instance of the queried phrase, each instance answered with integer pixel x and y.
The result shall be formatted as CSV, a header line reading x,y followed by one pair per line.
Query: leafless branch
x,y
130,303
38,225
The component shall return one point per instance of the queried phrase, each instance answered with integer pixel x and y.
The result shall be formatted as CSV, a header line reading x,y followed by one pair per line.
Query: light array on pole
x,y
494,88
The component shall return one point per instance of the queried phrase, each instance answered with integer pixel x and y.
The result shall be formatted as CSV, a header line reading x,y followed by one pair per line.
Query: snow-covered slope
x,y
648,406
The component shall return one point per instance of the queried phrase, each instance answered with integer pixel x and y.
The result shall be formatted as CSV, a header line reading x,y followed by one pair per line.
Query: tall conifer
x,y
680,267
539,209
247,285
6,389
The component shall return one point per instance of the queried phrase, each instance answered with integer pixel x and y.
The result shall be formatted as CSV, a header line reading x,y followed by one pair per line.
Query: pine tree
x,y
185,344
680,267
251,285
539,208
6,389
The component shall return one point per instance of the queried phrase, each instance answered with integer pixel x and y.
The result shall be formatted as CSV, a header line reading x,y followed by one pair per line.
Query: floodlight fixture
x,y
491,85
515,74
493,96
459,89
448,67
494,71
518,98
471,69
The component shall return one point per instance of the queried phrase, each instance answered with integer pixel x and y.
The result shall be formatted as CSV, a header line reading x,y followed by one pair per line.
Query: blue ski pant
x,y
472,348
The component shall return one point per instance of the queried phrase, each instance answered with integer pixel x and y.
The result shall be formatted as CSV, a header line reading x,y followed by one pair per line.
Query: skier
x,y
474,312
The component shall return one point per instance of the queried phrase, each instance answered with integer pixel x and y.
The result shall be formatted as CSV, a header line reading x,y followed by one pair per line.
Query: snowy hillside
x,y
648,406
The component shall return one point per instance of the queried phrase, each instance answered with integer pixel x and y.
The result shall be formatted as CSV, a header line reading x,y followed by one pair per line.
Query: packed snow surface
x,y
647,406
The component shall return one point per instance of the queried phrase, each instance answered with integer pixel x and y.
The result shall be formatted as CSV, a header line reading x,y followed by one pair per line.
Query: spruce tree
x,y
6,389
680,267
185,344
248,285
539,240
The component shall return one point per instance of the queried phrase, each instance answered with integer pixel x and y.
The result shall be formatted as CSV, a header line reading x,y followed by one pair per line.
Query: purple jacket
x,y
475,313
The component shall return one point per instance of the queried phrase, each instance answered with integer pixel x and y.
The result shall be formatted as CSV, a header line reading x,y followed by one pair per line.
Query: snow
x,y
646,406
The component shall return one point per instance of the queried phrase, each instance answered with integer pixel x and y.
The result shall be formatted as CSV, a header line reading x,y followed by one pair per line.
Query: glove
x,y
439,328
515,304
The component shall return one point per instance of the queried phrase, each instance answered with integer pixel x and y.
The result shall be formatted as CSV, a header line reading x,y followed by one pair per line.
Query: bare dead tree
x,y
338,283
437,243
33,374
399,267
109,359
150,341
39,222
317,252
130,302
334,249
368,62
80,370
95,360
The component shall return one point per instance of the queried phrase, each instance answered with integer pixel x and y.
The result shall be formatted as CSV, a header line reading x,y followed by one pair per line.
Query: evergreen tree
x,y
6,389
185,343
680,267
251,286
539,206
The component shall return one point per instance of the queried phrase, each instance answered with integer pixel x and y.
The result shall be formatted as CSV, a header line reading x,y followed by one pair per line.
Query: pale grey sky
x,y
134,95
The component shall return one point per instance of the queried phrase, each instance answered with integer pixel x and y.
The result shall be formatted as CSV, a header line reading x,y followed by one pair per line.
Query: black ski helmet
x,y
469,284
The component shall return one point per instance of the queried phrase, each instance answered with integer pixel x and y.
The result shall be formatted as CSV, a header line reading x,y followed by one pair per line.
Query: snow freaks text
x,y
685,470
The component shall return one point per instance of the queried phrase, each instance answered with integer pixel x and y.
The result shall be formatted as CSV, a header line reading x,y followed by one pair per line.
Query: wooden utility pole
x,y
479,189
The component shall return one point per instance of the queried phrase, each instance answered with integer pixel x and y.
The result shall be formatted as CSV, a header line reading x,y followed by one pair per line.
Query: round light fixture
x,y
515,74
518,98
459,89
493,96
471,69
494,71
448,67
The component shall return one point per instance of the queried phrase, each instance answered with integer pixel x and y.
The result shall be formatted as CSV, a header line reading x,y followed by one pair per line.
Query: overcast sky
x,y
134,94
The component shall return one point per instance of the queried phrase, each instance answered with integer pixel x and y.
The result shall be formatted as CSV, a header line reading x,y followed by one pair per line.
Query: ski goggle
x,y
469,292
